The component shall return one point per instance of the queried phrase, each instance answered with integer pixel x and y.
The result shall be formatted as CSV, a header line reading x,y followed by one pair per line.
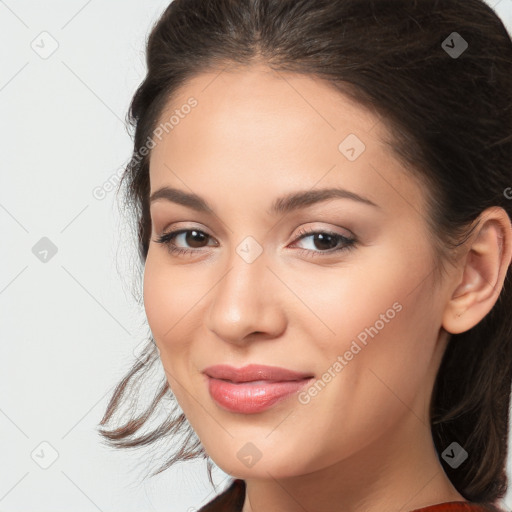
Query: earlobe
x,y
484,271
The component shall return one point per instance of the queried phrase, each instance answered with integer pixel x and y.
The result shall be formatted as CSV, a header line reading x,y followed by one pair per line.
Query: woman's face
x,y
365,321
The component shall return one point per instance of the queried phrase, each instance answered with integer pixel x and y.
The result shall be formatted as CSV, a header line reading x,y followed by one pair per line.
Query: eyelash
x,y
348,243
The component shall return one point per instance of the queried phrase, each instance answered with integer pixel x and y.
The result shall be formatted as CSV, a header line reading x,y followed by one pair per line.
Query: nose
x,y
246,302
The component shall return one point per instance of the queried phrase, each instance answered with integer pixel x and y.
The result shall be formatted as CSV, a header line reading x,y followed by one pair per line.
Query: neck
x,y
397,472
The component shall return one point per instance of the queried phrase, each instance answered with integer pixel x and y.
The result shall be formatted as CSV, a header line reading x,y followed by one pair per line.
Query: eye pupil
x,y
322,238
192,237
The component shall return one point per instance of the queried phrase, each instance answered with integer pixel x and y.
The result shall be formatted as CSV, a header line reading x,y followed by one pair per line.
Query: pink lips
x,y
252,388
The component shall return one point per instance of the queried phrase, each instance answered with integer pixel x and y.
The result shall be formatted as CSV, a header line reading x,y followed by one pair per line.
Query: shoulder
x,y
230,500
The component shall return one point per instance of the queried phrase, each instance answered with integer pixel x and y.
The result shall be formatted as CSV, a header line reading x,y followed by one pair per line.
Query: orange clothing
x,y
232,500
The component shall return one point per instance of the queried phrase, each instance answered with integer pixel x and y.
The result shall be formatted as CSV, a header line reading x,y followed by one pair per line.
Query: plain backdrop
x,y
69,325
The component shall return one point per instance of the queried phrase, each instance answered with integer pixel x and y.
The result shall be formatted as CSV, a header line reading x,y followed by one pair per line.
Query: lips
x,y
254,372
253,388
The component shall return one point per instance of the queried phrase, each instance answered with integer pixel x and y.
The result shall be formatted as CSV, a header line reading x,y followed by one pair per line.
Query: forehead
x,y
253,94
257,130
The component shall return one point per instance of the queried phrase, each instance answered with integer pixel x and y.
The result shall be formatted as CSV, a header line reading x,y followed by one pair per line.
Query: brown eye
x,y
194,238
325,242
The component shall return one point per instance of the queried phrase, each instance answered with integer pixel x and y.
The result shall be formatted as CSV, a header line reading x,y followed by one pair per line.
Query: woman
x,y
322,195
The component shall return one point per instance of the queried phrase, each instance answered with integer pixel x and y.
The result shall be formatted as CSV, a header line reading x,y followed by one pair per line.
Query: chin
x,y
263,468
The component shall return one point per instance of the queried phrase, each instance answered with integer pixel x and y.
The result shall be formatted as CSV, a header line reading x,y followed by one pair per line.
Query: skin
x,y
363,442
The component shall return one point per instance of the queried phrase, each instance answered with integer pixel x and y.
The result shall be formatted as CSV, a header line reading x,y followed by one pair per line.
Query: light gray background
x,y
69,327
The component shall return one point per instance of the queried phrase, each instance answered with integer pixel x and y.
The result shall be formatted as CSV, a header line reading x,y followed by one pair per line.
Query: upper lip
x,y
253,372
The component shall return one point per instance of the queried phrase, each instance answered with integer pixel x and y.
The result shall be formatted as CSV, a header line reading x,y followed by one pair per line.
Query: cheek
x,y
347,302
384,368
382,325
158,304
169,301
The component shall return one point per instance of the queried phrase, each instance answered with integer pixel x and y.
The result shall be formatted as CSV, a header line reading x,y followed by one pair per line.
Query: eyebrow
x,y
281,205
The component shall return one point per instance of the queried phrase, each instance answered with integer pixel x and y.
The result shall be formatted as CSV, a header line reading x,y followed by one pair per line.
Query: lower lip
x,y
252,397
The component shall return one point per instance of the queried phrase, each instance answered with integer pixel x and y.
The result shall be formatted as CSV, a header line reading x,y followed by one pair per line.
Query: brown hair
x,y
451,120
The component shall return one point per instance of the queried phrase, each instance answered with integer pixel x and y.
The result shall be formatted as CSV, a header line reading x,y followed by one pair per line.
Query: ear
x,y
484,269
